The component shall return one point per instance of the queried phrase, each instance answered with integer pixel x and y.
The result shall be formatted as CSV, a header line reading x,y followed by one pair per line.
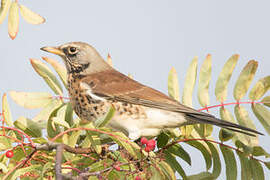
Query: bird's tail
x,y
209,119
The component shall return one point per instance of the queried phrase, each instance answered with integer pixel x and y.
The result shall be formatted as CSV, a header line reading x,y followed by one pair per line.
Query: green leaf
x,y
60,118
190,81
156,174
162,140
69,114
260,88
204,130
5,5
256,170
5,143
73,138
36,168
230,162
224,78
216,160
31,100
226,115
243,119
170,159
263,114
201,176
132,148
44,115
6,111
266,101
30,16
206,155
28,126
267,164
47,75
60,69
52,129
204,81
225,135
94,139
167,170
173,85
102,121
259,151
244,80
245,166
179,151
13,20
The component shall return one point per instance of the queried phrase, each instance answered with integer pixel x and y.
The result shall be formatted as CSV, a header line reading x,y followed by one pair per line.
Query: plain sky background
x,y
144,38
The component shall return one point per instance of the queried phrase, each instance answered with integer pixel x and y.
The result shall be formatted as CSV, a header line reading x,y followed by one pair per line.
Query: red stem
x,y
231,103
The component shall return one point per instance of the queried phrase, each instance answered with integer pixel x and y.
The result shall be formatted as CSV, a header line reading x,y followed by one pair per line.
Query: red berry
x,y
144,140
138,178
9,154
151,144
117,168
147,149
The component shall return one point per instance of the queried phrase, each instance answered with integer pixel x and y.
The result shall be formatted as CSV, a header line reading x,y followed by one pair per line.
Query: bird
x,y
140,111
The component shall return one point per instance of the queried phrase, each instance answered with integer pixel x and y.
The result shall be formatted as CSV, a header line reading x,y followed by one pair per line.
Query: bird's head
x,y
79,57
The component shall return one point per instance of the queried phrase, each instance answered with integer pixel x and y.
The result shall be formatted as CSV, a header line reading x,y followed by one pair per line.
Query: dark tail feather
x,y
209,119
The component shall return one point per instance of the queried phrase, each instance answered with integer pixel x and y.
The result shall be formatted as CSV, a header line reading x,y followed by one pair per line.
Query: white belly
x,y
150,125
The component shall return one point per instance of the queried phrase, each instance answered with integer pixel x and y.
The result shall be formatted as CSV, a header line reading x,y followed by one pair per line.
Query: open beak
x,y
54,50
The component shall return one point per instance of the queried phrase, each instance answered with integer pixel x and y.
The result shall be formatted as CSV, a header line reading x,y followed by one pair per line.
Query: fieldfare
x,y
94,86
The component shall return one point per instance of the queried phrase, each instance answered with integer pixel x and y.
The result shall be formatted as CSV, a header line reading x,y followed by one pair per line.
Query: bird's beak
x,y
54,50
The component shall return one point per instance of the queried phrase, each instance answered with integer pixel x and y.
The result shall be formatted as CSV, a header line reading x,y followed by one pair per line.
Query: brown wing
x,y
112,84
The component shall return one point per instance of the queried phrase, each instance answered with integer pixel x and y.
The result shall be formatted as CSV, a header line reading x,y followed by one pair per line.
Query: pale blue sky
x,y
144,38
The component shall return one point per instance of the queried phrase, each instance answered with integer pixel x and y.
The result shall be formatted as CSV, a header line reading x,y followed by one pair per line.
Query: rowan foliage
x,y
55,143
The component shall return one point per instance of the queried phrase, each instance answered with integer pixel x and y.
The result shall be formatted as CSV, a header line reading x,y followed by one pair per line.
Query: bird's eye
x,y
72,50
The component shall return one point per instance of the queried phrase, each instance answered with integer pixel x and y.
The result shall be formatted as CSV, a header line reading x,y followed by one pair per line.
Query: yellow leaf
x,y
60,69
13,20
31,100
173,85
204,81
224,77
190,80
244,80
5,5
6,111
30,16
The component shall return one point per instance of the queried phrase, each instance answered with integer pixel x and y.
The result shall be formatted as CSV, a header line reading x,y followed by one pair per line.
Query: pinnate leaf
x,y
47,75
28,126
230,162
190,81
13,20
243,119
260,88
204,81
171,160
5,5
60,69
224,78
30,16
245,166
257,170
31,100
6,111
173,84
244,80
206,154
263,114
